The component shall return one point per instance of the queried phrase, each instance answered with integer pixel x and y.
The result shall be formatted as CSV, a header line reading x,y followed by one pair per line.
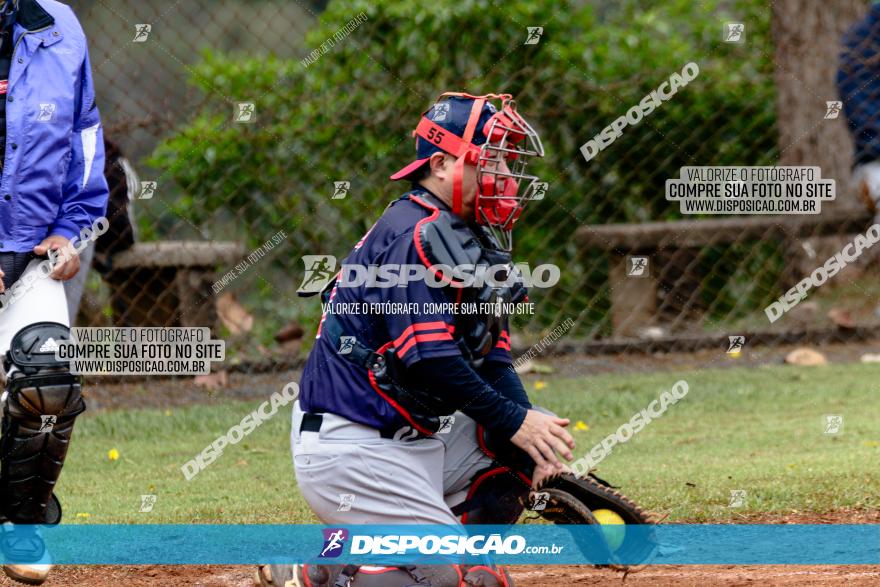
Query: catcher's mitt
x,y
570,499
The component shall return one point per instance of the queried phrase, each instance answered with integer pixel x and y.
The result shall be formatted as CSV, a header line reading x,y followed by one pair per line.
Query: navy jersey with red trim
x,y
331,383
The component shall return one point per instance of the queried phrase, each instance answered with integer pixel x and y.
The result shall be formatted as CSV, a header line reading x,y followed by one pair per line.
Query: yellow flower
x,y
167,412
581,425
83,515
540,385
113,454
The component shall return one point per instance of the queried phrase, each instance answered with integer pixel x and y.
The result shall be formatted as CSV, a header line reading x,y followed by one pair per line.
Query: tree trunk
x,y
807,35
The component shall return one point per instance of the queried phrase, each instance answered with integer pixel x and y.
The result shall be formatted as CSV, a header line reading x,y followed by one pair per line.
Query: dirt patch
x,y
701,576
557,576
533,576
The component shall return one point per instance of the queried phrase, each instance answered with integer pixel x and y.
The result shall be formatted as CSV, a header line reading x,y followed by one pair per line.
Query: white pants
x,y
348,474
44,301
73,288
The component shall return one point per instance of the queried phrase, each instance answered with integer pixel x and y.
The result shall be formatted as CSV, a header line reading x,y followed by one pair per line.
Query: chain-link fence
x,y
266,131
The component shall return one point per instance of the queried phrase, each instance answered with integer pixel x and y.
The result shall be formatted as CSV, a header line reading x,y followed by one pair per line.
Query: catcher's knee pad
x,y
41,402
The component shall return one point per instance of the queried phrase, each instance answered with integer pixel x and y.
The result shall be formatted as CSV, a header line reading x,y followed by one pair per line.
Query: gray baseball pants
x,y
349,474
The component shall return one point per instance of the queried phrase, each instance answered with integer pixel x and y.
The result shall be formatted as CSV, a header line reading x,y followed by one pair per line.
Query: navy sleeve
x,y
501,351
452,377
504,380
426,332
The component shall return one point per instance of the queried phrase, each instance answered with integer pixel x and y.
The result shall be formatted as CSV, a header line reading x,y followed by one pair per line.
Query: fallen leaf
x,y
212,380
233,315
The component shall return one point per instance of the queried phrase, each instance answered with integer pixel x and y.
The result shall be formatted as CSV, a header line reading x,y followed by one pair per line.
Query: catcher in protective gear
x,y
401,392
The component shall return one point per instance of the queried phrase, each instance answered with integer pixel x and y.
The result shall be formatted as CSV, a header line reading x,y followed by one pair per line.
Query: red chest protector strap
x,y
443,238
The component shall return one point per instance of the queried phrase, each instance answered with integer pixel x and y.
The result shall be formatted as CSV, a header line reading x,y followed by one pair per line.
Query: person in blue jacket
x,y
53,196
858,81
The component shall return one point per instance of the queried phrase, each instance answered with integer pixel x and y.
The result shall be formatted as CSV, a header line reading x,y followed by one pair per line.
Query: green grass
x,y
759,430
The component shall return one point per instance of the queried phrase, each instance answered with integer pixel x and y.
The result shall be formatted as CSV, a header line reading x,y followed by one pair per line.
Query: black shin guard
x,y
41,403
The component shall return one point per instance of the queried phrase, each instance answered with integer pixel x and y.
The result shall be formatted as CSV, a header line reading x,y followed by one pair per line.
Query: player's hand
x,y
2,287
543,436
68,261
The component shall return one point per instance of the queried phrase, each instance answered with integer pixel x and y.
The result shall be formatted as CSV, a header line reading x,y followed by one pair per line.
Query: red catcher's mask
x,y
503,186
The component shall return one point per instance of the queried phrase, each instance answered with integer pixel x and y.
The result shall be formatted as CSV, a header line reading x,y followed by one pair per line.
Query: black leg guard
x,y
364,576
487,577
41,403
496,496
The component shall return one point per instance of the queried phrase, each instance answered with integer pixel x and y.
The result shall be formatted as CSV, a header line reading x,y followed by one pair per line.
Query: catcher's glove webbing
x,y
569,499
561,499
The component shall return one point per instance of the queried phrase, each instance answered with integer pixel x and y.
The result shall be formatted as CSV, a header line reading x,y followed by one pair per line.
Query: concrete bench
x,y
634,301
168,283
